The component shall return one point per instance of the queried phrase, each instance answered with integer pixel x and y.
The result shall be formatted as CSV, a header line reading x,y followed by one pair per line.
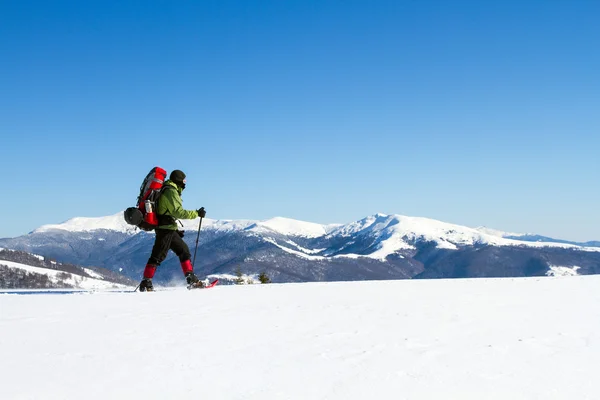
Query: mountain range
x,y
377,247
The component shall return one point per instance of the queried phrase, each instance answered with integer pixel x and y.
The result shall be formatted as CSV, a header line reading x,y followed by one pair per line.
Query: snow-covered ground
x,y
534,338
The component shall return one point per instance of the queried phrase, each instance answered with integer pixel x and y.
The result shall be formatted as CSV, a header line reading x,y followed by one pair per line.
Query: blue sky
x,y
475,113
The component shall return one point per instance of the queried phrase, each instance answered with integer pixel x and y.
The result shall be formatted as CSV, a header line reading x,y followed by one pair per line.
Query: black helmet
x,y
178,177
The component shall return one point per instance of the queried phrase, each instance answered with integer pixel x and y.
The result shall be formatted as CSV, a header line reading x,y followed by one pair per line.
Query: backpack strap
x,y
164,219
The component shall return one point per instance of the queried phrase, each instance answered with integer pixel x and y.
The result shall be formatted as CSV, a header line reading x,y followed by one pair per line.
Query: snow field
x,y
534,338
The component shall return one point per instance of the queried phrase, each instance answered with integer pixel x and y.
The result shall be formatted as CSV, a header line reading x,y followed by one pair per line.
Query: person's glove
x,y
201,212
180,233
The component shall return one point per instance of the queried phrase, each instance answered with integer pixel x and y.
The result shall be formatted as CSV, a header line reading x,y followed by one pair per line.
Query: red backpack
x,y
144,215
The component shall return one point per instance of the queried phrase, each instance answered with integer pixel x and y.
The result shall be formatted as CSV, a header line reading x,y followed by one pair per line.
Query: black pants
x,y
167,239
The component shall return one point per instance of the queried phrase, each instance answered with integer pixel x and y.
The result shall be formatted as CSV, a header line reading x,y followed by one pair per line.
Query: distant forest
x,y
14,278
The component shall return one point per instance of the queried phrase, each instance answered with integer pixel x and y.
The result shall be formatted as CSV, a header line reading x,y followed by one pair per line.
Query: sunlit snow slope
x,y
534,338
62,277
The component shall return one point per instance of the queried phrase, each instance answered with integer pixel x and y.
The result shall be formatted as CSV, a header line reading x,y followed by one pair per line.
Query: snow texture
x,y
293,227
495,232
556,270
533,338
93,274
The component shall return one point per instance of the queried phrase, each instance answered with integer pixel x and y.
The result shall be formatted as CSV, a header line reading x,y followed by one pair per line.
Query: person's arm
x,y
174,206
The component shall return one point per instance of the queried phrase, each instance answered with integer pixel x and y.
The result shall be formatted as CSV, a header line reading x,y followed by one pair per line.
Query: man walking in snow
x,y
169,209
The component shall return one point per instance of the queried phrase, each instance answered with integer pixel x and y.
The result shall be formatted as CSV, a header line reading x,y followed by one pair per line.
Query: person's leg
x,y
162,243
183,252
181,249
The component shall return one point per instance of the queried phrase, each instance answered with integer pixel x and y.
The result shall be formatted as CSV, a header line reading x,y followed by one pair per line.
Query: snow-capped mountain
x,y
20,270
114,223
376,247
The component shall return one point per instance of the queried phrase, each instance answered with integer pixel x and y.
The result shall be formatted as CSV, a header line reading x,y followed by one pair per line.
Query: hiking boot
x,y
192,280
146,285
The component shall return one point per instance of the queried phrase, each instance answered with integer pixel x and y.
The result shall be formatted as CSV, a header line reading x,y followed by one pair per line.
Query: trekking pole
x,y
197,239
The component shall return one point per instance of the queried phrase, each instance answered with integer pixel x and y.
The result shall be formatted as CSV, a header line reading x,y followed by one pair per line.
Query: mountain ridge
x,y
379,246
289,226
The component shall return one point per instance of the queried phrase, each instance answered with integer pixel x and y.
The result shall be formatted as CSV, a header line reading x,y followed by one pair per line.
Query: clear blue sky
x,y
471,112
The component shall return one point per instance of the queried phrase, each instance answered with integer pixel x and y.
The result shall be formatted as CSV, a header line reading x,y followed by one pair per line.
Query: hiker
x,y
169,209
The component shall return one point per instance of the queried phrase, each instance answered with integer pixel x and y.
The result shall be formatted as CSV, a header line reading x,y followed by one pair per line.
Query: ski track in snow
x,y
533,338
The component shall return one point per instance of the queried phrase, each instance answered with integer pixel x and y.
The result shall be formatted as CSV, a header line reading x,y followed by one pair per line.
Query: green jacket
x,y
170,204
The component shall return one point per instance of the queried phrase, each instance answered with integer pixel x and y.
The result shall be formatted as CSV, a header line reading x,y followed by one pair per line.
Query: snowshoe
x,y
191,278
146,285
196,285
203,285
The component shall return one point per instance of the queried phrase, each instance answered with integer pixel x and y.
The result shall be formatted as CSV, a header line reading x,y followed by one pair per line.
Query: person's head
x,y
178,177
